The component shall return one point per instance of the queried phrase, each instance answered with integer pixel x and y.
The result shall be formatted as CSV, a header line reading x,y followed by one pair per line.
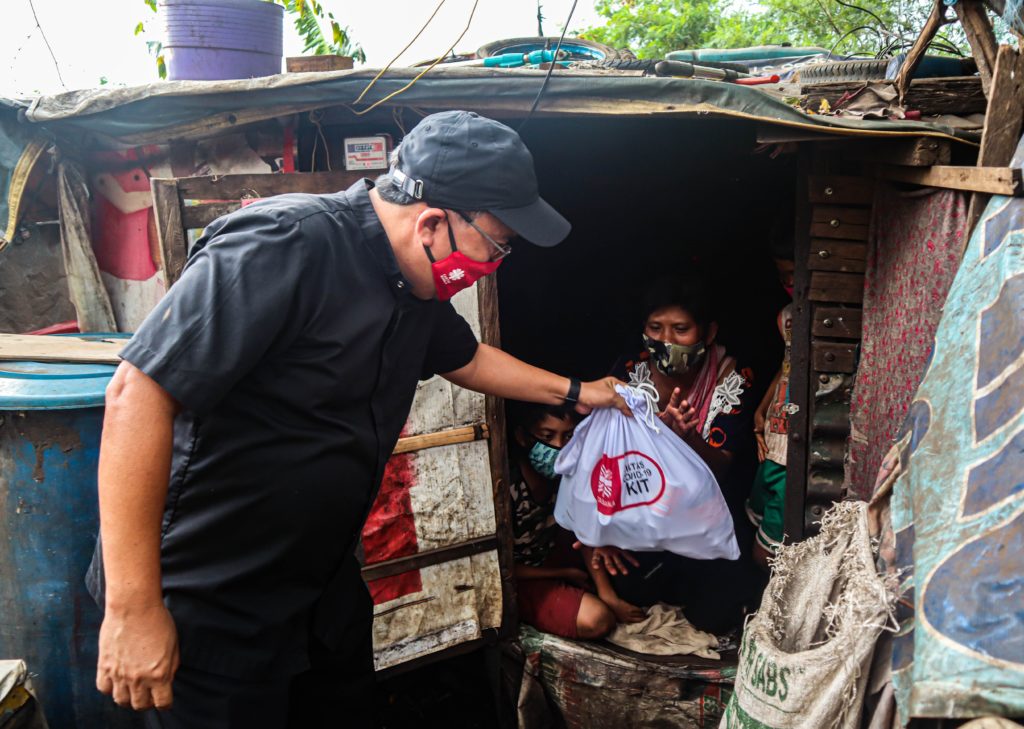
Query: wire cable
x,y
551,68
424,72
399,54
48,46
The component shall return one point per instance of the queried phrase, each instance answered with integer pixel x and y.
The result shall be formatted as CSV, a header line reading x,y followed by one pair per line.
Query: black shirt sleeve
x,y
238,293
452,344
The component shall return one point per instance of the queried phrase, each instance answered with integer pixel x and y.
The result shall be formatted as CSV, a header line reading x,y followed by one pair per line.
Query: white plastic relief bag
x,y
630,482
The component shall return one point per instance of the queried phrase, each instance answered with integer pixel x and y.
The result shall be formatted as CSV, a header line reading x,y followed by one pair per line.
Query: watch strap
x,y
573,396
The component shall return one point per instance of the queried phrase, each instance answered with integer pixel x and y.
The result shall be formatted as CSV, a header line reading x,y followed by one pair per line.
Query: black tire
x,y
867,70
647,65
501,46
451,58
630,64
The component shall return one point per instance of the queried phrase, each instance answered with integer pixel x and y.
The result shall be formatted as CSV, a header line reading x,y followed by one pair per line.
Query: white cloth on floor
x,y
665,632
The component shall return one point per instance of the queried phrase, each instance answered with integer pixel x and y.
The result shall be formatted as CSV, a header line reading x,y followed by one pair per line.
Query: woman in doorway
x,y
553,589
706,397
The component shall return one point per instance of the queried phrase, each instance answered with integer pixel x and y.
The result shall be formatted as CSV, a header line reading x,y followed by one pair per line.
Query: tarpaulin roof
x,y
178,109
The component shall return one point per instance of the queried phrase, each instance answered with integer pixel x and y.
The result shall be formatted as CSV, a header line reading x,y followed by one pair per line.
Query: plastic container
x,y
214,40
51,416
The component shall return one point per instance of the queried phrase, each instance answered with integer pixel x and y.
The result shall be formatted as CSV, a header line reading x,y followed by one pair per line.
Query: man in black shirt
x,y
248,427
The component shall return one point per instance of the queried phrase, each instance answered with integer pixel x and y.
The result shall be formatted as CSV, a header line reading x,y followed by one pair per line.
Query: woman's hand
x,y
577,577
626,612
612,559
680,416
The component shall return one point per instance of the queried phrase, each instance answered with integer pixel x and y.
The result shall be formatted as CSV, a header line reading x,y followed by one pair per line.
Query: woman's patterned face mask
x,y
674,359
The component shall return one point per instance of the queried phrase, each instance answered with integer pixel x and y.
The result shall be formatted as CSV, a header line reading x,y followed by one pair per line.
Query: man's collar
x,y
373,233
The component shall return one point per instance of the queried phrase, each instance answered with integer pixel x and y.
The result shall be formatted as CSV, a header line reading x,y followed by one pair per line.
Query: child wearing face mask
x,y
553,589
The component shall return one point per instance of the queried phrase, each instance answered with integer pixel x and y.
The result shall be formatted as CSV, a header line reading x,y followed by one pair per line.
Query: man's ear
x,y
520,435
432,231
712,333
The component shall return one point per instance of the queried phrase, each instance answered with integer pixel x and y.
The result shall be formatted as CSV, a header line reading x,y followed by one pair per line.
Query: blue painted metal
x,y
52,386
50,423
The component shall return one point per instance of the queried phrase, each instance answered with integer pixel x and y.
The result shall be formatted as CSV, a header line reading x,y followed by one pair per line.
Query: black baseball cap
x,y
462,161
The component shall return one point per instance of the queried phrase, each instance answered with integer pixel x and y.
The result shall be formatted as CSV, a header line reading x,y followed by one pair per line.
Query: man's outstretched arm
x,y
495,372
138,651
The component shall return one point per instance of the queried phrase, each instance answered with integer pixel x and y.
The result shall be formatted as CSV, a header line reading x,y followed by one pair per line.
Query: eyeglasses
x,y
503,249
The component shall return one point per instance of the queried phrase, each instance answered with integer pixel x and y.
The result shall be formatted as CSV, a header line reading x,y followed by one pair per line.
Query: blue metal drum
x,y
50,421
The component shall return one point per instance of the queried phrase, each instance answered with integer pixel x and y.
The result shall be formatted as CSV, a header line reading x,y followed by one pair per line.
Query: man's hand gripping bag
x,y
631,482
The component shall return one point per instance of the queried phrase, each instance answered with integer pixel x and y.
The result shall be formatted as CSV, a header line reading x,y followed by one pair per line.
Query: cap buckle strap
x,y
408,185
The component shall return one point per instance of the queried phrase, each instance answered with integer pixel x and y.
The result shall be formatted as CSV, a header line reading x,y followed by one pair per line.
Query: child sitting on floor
x,y
554,591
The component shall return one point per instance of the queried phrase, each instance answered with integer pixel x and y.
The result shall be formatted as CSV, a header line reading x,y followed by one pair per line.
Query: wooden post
x,y
490,333
979,33
935,21
1003,121
170,231
800,358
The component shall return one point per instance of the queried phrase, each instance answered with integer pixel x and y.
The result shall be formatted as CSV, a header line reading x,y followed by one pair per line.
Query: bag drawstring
x,y
642,396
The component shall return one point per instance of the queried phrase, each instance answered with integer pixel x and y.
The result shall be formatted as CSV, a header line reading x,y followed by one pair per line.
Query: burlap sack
x,y
805,655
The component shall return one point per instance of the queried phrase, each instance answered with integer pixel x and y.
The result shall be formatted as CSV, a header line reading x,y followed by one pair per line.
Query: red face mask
x,y
457,271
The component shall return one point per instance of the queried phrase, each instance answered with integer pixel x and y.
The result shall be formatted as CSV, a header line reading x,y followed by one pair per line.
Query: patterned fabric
x,y
957,502
533,524
776,426
732,407
913,255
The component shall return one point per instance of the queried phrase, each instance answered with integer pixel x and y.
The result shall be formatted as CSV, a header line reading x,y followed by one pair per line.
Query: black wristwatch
x,y
573,396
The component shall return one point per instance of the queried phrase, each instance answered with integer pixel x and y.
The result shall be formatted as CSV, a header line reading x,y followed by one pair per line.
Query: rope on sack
x,y
645,394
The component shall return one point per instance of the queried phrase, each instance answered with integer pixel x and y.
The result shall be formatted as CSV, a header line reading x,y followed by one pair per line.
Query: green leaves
x,y
652,28
308,15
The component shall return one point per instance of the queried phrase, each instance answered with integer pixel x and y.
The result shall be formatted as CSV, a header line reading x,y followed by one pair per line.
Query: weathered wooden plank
x,y
840,190
841,288
917,152
442,438
326,62
199,216
847,222
834,356
974,20
913,58
490,333
428,557
837,255
952,95
841,214
800,360
14,347
837,228
993,180
840,323
169,229
1002,123
235,187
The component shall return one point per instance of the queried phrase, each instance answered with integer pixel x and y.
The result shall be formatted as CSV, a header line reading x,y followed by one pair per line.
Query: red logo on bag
x,y
623,482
